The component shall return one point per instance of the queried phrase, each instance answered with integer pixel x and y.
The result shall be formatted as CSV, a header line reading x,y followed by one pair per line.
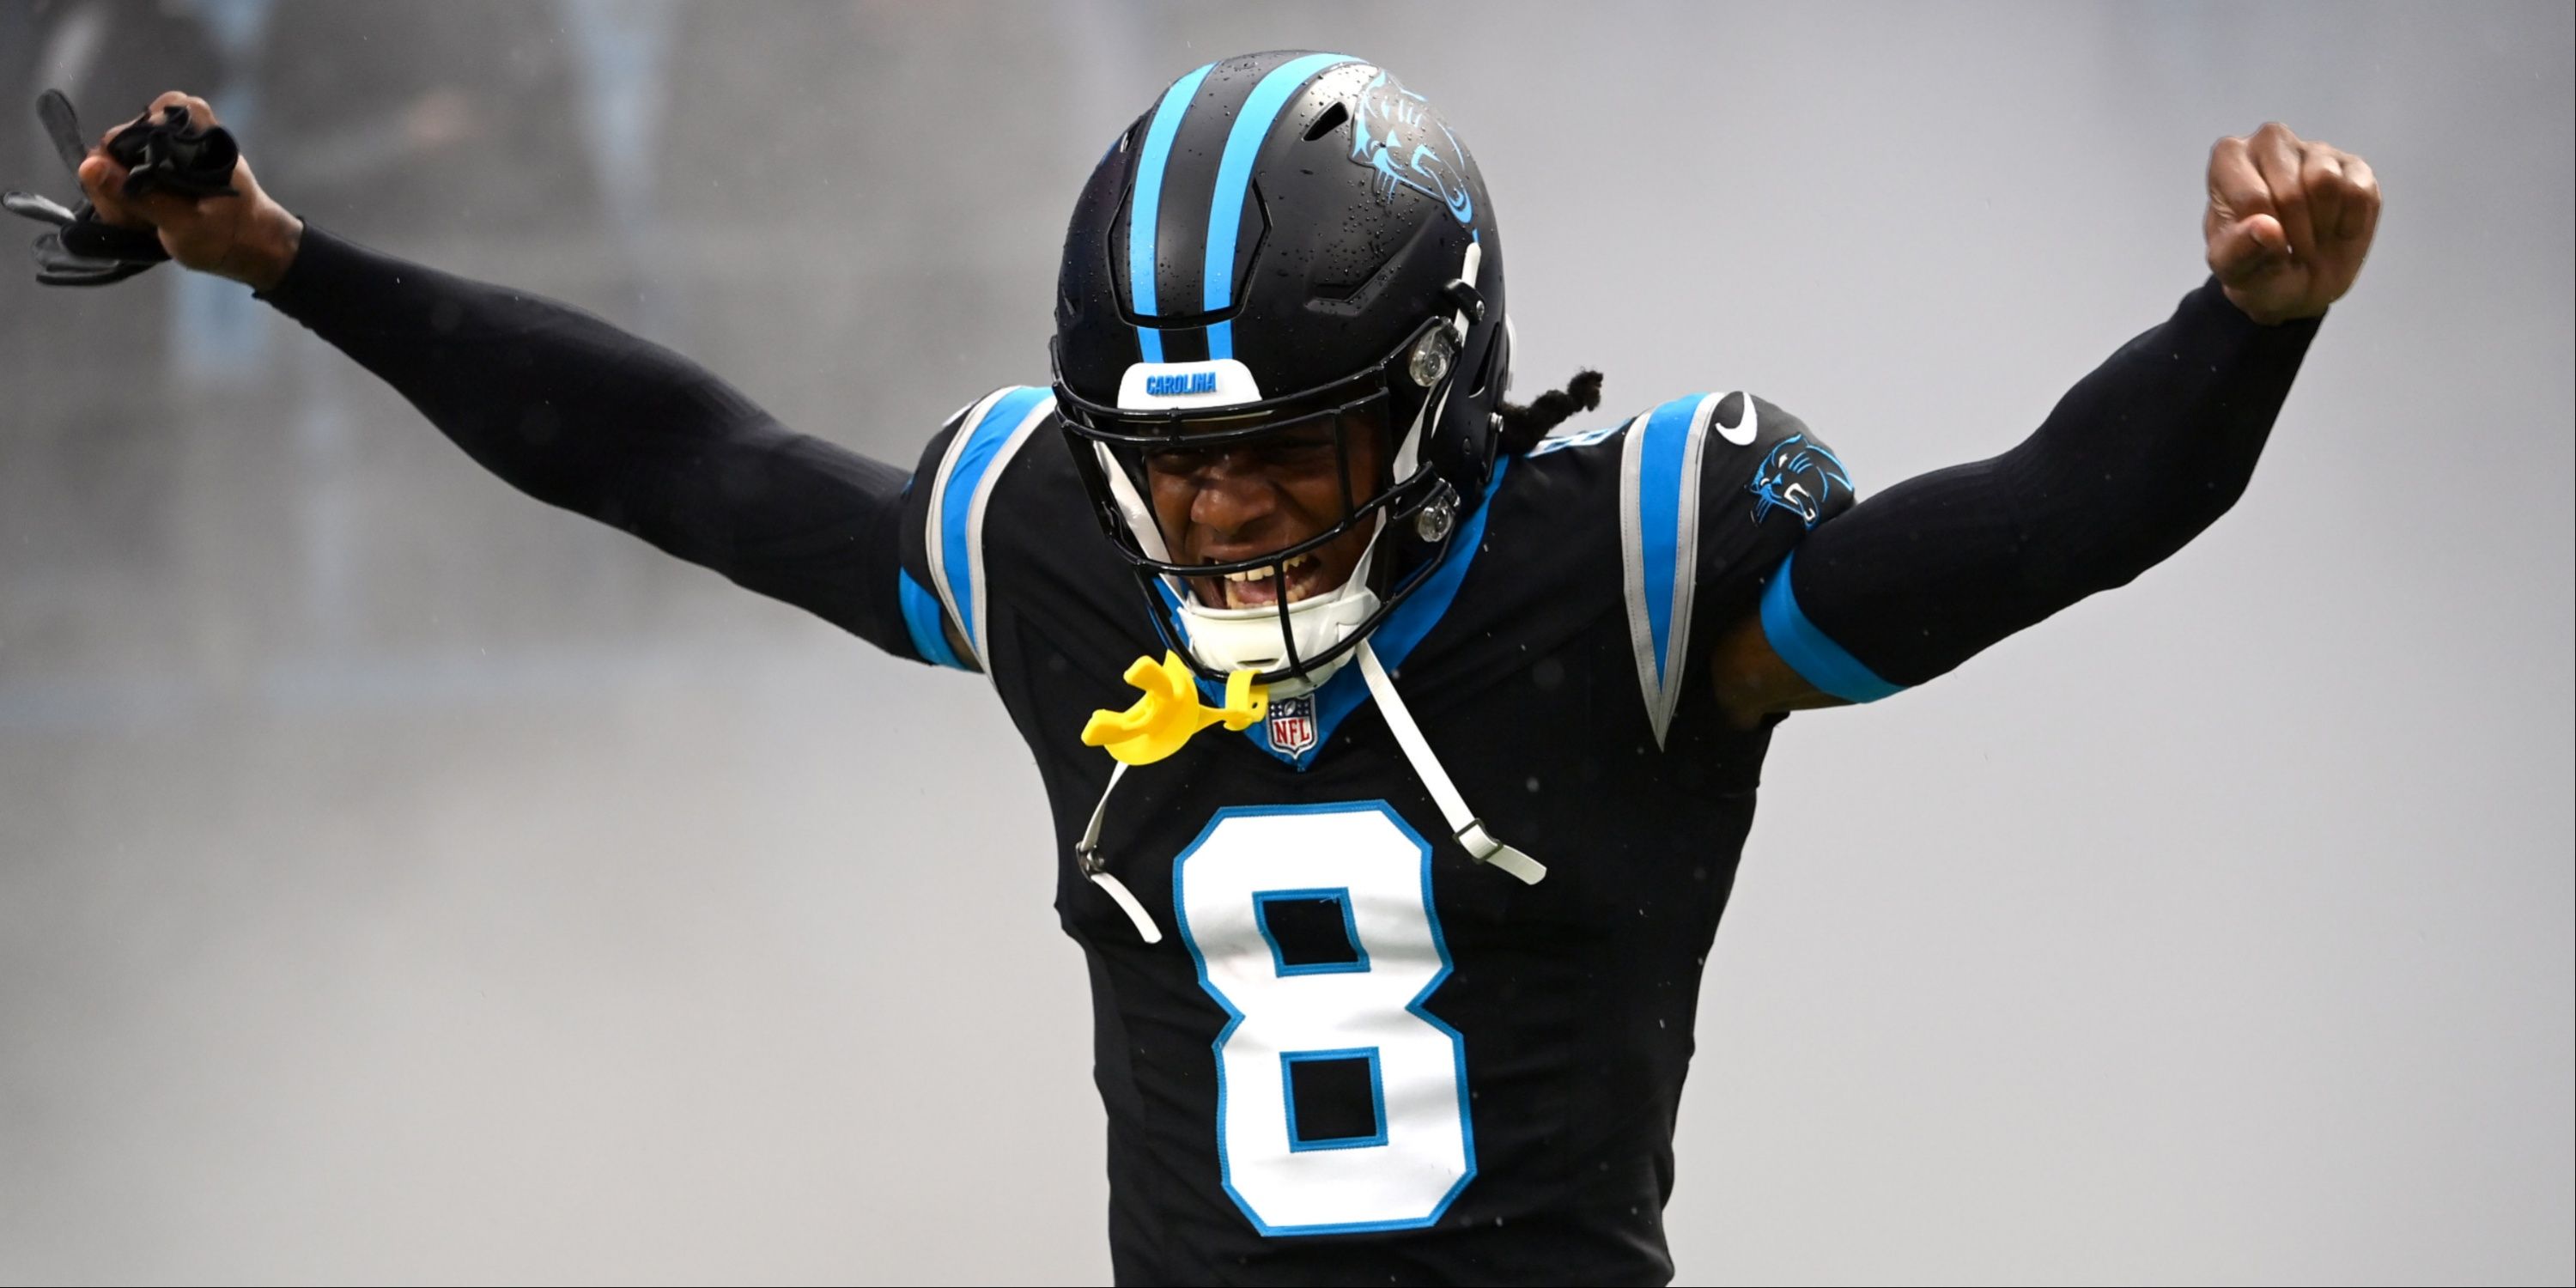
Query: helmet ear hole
x,y
1327,121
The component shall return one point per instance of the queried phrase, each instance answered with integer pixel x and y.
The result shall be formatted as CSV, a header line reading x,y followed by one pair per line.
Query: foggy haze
x,y
402,880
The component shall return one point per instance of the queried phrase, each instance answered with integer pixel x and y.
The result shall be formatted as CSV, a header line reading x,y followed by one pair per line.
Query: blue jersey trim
x,y
924,619
1395,638
957,503
1413,619
1234,178
1145,214
1809,651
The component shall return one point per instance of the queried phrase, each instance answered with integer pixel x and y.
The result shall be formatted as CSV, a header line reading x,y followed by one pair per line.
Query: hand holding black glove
x,y
161,185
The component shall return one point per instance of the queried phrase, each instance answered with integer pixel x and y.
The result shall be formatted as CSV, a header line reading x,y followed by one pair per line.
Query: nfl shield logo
x,y
1292,725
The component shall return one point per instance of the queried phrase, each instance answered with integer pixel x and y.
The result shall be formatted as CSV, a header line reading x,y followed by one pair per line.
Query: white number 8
x,y
1386,1143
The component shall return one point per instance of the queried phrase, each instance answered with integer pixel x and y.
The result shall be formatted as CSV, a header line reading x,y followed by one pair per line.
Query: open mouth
x,y
1260,587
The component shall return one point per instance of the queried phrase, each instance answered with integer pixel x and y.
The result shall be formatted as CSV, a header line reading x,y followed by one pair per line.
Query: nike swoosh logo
x,y
1743,433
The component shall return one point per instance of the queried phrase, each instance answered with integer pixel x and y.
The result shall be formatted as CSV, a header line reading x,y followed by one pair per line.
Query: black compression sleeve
x,y
581,415
2134,461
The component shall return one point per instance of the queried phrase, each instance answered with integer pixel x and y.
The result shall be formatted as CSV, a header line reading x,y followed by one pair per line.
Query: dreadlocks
x,y
1525,425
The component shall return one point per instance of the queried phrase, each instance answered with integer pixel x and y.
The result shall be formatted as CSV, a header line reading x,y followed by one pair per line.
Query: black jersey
x,y
1355,1054
1351,1053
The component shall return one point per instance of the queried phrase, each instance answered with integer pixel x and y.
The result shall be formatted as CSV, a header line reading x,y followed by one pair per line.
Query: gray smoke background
x,y
400,880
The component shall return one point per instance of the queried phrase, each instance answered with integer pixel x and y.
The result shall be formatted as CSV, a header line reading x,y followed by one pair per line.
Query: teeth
x,y
1266,571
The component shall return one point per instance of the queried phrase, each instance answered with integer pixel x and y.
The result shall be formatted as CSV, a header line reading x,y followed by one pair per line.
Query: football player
x,y
1400,754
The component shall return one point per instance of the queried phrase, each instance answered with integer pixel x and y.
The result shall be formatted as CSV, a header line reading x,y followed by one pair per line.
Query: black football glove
x,y
167,155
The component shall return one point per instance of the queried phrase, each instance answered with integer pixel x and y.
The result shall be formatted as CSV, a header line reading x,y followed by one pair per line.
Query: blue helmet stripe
x,y
1145,213
1234,178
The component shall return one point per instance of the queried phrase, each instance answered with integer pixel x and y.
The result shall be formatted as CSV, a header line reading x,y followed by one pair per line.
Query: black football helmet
x,y
1285,239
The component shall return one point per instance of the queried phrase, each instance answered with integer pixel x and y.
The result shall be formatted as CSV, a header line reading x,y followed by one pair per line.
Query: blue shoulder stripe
x,y
993,429
1809,651
1659,480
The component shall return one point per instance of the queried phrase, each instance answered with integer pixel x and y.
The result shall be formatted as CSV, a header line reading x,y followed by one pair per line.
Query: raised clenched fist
x,y
246,237
2289,222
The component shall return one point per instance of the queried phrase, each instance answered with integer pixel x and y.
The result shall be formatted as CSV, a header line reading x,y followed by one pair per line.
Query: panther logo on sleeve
x,y
1797,475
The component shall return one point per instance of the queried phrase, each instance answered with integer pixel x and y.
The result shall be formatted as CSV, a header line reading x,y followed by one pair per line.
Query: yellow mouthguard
x,y
1170,711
